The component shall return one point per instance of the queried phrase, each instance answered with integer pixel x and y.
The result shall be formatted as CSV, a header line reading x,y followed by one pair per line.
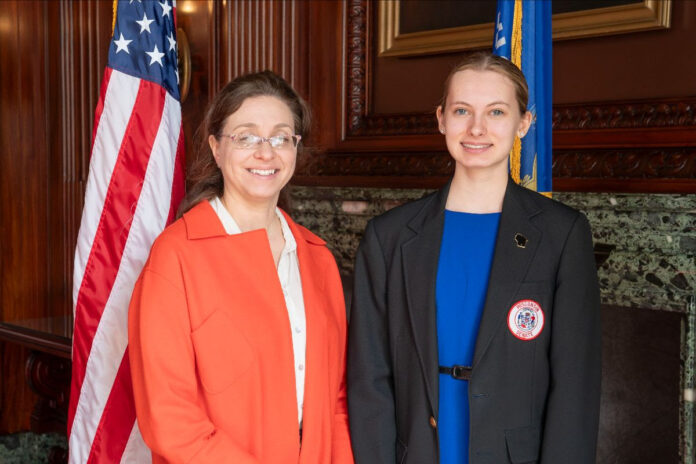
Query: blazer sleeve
x,y
170,416
341,447
572,414
370,381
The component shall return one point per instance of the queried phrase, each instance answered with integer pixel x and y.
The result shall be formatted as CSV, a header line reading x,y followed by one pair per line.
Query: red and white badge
x,y
526,319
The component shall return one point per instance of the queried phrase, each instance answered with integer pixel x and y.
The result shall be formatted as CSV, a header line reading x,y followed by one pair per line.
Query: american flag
x,y
134,187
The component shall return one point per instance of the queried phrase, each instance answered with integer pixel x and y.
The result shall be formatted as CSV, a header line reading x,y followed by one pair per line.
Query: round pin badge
x,y
526,319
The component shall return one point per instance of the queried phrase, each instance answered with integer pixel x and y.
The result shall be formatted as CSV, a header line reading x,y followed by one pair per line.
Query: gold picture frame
x,y
640,16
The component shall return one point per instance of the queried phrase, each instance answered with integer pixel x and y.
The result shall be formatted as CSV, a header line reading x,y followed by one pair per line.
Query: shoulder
x,y
173,236
168,249
557,220
398,218
553,210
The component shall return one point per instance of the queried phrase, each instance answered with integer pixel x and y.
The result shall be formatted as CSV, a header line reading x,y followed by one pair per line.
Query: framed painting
x,y
407,28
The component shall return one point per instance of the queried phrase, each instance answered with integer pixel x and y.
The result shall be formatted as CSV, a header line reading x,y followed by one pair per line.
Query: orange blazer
x,y
211,351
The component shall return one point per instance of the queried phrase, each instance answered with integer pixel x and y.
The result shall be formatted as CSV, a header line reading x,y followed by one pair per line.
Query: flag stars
x,y
145,23
122,44
165,8
172,42
155,56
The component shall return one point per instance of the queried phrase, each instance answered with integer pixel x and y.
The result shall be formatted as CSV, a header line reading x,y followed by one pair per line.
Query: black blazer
x,y
531,400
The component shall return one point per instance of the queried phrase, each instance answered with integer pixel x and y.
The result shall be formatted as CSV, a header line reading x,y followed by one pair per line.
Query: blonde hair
x,y
486,61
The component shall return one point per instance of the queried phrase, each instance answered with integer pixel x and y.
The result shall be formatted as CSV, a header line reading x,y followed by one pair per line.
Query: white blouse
x,y
291,283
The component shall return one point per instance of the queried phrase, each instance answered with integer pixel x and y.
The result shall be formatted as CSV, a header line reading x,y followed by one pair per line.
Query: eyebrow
x,y
252,125
498,102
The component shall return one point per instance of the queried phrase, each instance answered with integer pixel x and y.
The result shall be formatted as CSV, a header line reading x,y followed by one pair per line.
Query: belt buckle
x,y
461,372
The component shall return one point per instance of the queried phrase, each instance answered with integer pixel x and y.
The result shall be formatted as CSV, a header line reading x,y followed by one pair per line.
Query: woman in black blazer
x,y
532,381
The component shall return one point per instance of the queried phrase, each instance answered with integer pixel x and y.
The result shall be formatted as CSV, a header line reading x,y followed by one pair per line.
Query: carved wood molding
x,y
356,66
626,115
378,164
646,114
664,163
49,377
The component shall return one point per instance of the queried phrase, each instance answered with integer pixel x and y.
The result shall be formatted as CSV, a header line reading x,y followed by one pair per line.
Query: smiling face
x,y
255,175
481,120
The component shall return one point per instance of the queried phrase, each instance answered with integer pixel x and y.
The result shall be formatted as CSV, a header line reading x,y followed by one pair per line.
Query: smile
x,y
472,146
263,172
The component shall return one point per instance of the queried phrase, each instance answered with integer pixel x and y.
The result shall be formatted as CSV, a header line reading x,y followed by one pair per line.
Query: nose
x,y
264,151
478,126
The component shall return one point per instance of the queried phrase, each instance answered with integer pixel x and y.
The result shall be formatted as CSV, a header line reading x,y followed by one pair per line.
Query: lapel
x,y
510,263
312,274
420,260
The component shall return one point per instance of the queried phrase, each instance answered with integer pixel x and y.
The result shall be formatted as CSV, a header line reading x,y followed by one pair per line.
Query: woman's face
x,y
481,120
256,175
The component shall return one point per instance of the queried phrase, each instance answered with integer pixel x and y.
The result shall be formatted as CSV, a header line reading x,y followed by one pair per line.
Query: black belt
x,y
457,372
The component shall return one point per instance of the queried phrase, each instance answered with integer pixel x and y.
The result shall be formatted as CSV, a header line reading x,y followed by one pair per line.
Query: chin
x,y
483,165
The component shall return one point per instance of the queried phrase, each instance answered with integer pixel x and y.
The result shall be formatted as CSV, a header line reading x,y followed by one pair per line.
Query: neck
x,y
477,191
250,216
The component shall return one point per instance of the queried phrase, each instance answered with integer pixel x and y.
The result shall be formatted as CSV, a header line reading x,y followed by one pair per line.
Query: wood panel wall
x,y
49,85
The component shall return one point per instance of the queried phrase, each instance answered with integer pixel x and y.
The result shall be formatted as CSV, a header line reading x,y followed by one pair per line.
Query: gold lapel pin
x,y
520,240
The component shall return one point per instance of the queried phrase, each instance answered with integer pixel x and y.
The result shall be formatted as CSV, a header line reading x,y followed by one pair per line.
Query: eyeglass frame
x,y
296,139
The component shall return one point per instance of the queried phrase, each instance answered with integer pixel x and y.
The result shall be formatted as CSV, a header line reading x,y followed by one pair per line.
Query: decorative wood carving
x,y
49,377
379,164
356,66
666,163
572,169
672,113
626,115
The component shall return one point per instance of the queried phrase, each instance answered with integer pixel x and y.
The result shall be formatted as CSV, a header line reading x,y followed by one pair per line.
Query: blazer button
x,y
433,422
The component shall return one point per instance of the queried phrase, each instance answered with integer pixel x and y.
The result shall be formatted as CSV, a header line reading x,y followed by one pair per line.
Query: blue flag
x,y
523,35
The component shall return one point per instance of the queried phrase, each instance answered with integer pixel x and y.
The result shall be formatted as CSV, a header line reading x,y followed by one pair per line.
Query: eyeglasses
x,y
278,142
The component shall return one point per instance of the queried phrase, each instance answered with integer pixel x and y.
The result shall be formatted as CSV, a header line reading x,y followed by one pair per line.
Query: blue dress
x,y
466,255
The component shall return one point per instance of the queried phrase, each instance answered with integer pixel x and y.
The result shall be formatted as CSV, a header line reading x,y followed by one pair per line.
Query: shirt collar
x,y
202,222
232,228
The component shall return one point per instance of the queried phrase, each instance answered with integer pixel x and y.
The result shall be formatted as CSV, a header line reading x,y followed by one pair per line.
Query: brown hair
x,y
205,178
486,61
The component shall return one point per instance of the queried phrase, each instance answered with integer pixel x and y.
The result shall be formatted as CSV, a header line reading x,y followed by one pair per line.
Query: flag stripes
x,y
117,419
107,247
138,204
135,184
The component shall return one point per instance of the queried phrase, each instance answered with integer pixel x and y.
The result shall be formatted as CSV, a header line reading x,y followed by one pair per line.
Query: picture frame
x,y
641,15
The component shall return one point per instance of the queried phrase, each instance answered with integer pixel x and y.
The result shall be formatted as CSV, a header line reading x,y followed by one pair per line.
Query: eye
x,y
460,111
280,141
497,112
246,140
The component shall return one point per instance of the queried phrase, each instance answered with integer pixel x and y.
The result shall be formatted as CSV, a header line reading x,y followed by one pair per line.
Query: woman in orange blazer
x,y
237,322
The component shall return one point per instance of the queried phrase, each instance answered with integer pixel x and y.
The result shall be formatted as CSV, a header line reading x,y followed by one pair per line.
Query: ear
x,y
525,122
440,119
213,143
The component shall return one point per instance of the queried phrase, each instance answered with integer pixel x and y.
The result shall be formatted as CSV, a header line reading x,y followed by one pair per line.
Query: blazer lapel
x,y
420,260
316,356
510,263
